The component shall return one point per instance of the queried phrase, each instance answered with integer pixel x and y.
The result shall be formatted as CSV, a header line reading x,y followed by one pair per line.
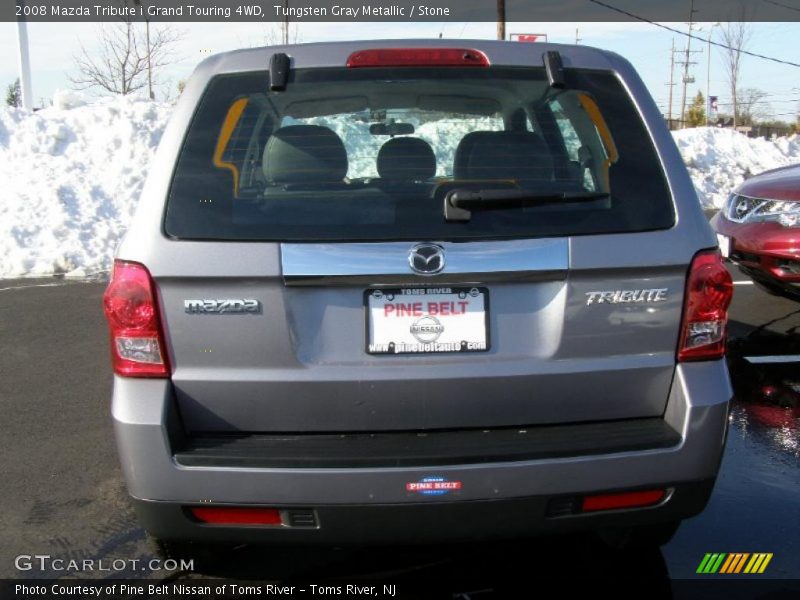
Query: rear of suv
x,y
417,290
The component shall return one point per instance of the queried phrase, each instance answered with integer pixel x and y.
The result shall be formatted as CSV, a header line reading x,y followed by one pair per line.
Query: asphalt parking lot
x,y
64,496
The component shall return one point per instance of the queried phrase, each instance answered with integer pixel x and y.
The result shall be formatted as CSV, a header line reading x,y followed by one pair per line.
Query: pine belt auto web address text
x,y
255,11
188,591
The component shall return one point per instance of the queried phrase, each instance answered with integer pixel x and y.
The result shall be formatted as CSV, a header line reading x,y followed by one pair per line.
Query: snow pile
x,y
442,134
720,159
70,178
71,175
66,99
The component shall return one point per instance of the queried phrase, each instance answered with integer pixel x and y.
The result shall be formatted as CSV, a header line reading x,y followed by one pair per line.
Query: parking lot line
x,y
767,360
23,287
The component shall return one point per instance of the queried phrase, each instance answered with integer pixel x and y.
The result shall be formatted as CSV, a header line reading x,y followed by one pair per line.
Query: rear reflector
x,y
132,312
624,500
418,57
709,290
236,515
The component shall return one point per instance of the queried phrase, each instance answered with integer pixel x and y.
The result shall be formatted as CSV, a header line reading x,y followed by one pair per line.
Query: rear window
x,y
376,153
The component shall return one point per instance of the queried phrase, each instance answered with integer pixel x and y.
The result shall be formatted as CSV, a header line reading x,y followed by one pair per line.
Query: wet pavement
x,y
67,498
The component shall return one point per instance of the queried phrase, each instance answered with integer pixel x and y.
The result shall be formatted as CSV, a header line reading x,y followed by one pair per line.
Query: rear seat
x,y
304,155
521,156
405,160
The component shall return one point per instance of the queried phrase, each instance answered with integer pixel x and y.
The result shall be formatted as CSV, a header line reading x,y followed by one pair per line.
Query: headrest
x,y
304,154
519,155
585,156
406,159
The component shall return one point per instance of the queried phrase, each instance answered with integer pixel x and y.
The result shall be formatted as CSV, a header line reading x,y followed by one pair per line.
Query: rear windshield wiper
x,y
459,204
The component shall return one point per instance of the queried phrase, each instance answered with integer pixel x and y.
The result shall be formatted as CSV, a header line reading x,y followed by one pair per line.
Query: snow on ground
x,y
70,175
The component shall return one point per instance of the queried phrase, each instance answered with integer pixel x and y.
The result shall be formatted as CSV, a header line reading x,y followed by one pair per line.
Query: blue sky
x,y
53,46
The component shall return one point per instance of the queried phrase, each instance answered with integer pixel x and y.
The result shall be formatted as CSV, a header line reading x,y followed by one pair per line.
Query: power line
x,y
772,94
767,102
694,37
782,5
664,103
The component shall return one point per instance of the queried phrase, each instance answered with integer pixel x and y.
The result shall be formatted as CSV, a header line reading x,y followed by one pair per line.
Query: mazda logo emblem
x,y
426,259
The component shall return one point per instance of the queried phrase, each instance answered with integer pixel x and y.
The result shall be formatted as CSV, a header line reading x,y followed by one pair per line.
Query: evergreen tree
x,y
14,94
696,115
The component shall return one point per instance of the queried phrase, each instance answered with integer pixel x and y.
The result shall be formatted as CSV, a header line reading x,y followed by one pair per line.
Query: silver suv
x,y
418,290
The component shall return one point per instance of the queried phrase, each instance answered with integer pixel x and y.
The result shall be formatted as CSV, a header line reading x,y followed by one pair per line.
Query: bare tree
x,y
282,33
285,28
272,34
125,61
735,35
752,105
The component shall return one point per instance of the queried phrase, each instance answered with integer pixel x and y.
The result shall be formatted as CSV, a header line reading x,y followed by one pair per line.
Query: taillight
x,y
709,290
137,346
418,57
224,515
622,500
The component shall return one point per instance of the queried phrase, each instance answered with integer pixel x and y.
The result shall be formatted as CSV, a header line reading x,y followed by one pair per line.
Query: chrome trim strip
x,y
379,263
753,213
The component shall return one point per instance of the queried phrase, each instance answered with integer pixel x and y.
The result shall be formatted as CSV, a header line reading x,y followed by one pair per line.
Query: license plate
x,y
724,245
427,320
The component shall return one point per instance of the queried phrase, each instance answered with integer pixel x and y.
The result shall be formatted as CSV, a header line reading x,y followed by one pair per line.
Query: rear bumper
x,y
368,524
373,502
767,278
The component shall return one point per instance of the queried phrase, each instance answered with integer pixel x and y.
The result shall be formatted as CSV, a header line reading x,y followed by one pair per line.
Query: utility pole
x,y
686,62
501,19
24,61
671,83
577,39
708,76
285,22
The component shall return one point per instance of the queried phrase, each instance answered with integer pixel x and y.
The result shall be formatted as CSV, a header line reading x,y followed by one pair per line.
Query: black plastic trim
x,y
410,449
278,72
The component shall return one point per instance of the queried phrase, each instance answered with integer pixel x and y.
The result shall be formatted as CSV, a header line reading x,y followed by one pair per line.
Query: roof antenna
x,y
278,72
554,68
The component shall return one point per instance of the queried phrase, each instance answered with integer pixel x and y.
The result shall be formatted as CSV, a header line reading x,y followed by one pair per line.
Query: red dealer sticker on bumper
x,y
433,486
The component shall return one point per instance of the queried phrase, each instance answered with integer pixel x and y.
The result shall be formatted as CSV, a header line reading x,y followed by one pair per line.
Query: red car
x,y
759,229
